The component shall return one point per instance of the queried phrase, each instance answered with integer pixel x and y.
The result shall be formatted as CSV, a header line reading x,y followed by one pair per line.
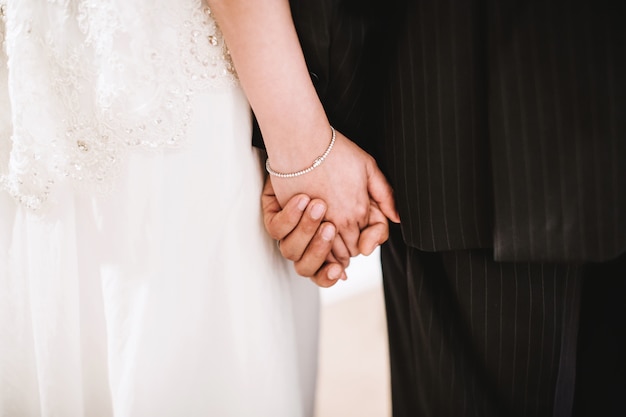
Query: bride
x,y
135,275
136,278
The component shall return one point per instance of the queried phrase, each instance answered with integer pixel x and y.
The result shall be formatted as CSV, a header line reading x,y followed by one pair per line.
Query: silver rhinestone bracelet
x,y
318,161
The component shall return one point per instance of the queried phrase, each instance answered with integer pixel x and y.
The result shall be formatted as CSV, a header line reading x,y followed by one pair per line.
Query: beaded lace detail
x,y
84,81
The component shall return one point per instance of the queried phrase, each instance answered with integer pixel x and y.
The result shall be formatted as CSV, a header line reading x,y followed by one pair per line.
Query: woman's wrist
x,y
292,147
316,162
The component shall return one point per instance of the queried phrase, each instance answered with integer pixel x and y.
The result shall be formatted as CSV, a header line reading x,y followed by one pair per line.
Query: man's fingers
x,y
294,245
329,275
304,238
318,262
280,222
317,252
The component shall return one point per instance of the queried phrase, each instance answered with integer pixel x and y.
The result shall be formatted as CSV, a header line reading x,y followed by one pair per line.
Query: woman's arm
x,y
271,67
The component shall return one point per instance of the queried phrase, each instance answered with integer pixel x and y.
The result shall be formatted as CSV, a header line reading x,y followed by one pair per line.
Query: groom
x,y
501,127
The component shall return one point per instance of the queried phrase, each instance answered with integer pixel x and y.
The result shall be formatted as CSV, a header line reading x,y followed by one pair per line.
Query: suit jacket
x,y
500,124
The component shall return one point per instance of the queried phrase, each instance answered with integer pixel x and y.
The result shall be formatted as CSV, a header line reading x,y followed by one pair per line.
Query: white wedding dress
x,y
136,279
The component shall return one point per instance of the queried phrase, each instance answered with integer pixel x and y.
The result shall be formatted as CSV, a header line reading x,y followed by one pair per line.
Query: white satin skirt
x,y
163,298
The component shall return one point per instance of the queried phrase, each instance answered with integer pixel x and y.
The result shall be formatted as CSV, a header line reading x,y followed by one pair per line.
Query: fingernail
x,y
328,233
334,272
303,202
317,211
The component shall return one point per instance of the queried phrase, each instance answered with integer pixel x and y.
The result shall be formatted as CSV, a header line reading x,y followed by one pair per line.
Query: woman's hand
x,y
351,184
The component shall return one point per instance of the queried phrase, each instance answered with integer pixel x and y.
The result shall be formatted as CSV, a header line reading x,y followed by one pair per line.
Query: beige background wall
x,y
354,375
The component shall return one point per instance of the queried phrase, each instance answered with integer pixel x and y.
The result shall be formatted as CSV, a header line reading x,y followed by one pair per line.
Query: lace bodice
x,y
84,81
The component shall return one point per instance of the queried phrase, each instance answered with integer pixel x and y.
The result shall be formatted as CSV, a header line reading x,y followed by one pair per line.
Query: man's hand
x,y
304,237
310,242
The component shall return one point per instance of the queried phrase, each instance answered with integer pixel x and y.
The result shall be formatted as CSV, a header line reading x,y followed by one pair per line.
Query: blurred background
x,y
354,373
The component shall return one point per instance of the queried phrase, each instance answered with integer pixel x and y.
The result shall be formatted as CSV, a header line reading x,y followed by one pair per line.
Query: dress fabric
x,y
162,296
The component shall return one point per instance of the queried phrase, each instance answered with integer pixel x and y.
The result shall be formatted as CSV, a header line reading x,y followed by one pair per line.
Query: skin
x,y
304,237
307,240
266,52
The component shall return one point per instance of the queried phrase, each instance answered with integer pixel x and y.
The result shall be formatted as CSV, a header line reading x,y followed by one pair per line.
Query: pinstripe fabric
x,y
506,127
437,156
341,44
500,124
562,117
601,363
503,120
474,337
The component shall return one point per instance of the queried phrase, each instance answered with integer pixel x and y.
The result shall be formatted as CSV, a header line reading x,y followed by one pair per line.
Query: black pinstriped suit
x,y
502,128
